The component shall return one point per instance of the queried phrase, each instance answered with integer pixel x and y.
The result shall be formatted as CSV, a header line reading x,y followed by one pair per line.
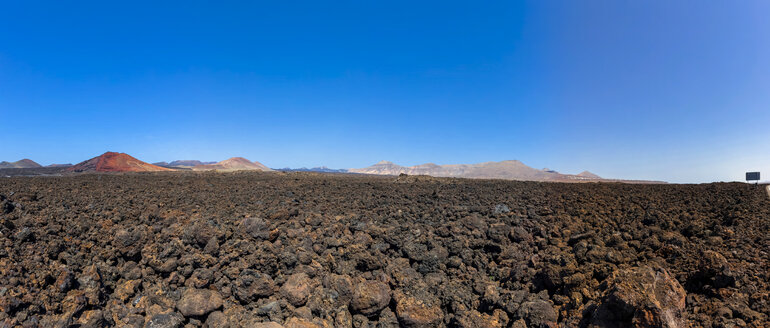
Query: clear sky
x,y
670,90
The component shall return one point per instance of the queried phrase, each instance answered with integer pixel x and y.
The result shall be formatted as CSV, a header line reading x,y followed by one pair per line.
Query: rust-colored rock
x,y
198,302
369,297
641,297
472,319
413,312
126,290
299,323
297,288
268,325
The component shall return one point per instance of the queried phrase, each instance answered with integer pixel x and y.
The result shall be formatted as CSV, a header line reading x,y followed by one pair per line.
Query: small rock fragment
x,y
538,313
217,319
501,209
714,271
472,319
252,285
413,312
299,323
125,290
164,320
198,302
65,280
270,324
369,297
297,288
256,228
91,319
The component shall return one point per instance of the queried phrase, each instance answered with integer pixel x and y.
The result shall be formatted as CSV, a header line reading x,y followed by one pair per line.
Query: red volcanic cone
x,y
115,162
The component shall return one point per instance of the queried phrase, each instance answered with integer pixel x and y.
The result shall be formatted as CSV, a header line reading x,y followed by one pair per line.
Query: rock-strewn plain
x,y
253,249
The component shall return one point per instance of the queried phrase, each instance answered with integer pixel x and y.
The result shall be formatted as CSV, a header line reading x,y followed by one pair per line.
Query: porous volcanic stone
x,y
369,297
164,320
297,288
413,312
641,297
198,302
251,285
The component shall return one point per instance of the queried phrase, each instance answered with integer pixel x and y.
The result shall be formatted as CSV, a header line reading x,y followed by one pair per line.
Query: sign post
x,y
752,176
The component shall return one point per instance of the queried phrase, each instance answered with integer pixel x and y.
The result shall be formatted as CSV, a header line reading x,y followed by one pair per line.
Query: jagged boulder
x,y
641,297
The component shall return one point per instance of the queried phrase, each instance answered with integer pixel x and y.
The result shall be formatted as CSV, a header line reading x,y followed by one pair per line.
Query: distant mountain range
x,y
188,163
322,169
508,170
233,164
21,164
121,162
59,165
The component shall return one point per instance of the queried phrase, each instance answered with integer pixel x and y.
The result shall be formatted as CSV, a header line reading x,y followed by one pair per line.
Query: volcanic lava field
x,y
250,249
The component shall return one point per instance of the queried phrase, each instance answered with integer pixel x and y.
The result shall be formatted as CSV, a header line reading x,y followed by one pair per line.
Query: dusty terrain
x,y
252,249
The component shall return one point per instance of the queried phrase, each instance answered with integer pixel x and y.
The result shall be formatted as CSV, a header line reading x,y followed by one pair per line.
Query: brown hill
x,y
508,170
115,162
22,164
587,174
233,164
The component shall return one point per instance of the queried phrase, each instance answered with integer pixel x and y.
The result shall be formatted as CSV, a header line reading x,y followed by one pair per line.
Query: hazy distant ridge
x,y
233,164
509,170
21,164
321,169
185,163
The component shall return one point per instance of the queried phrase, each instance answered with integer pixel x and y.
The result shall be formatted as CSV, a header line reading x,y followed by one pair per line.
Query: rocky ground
x,y
313,250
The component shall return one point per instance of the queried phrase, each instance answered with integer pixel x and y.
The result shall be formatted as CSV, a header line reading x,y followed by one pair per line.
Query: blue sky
x,y
670,90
